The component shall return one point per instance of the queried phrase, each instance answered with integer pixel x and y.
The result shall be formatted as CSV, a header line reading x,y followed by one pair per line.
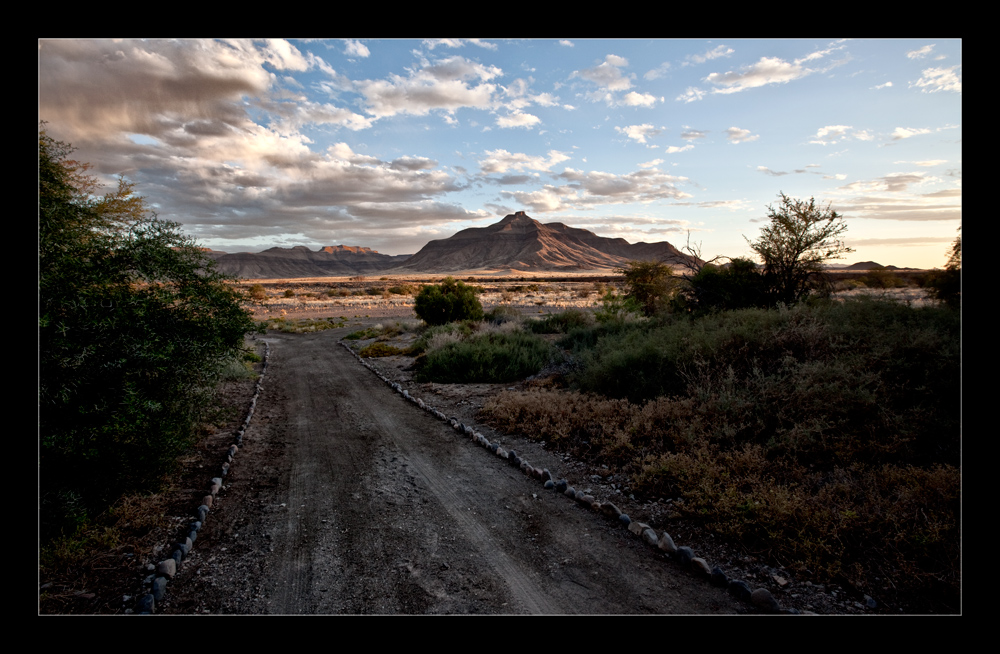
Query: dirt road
x,y
345,499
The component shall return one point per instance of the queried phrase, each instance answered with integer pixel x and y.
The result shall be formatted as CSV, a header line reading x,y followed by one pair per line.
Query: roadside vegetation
x,y
820,433
136,328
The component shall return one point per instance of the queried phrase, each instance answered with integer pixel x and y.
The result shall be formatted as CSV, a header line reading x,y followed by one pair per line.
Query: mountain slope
x,y
520,243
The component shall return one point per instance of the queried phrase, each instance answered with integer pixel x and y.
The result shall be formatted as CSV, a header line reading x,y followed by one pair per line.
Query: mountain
x,y
300,261
520,243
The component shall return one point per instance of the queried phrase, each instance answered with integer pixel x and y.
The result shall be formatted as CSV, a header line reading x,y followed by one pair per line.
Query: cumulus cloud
x,y
608,74
633,99
447,85
691,134
501,161
907,132
356,49
940,79
638,133
738,135
518,119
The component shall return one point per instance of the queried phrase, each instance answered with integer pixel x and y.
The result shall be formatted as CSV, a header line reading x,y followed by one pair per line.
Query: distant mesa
x,y
518,243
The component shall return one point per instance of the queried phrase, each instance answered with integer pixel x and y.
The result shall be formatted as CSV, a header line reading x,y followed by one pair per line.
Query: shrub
x,y
494,357
438,304
135,323
289,292
561,323
258,292
722,288
379,349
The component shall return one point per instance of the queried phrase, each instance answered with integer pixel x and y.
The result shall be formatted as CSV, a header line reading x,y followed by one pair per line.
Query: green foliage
x,y
492,357
135,324
722,288
449,301
617,309
560,323
800,237
946,286
649,284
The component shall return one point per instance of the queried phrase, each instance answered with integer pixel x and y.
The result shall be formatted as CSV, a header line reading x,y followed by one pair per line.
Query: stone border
x,y
160,576
761,598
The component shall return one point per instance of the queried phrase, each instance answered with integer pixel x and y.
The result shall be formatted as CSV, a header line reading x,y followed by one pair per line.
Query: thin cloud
x,y
738,135
934,80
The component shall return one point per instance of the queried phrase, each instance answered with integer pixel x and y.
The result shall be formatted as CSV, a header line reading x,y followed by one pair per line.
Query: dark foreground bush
x,y
493,357
135,325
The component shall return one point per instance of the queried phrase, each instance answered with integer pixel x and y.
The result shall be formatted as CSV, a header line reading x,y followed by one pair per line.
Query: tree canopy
x,y
800,237
134,323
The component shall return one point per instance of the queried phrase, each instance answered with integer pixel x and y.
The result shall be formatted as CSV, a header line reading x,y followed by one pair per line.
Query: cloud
x,y
582,190
607,75
567,43
673,149
714,53
940,79
907,132
883,86
638,133
691,94
355,49
518,119
832,134
920,53
446,85
738,135
691,134
657,72
501,161
633,99
769,70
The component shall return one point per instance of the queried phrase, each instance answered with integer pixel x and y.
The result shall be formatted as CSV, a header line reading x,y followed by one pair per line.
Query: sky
x,y
251,144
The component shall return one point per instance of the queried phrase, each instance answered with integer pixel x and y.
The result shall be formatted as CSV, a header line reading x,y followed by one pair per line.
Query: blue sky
x,y
389,144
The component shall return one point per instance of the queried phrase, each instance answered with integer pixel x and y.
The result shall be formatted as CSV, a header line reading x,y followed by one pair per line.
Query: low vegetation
x,y
824,436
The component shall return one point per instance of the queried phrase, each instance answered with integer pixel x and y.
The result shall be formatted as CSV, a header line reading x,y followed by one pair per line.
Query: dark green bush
x,y
449,301
723,288
135,324
494,357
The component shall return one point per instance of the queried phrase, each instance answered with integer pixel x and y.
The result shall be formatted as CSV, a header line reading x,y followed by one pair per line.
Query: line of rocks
x,y
161,574
759,597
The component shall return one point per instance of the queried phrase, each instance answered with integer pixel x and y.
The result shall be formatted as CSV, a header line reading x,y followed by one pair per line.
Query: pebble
x,y
684,554
666,543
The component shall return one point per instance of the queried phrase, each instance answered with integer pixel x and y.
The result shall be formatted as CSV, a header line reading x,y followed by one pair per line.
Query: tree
x,y
134,323
649,283
800,237
439,304
946,286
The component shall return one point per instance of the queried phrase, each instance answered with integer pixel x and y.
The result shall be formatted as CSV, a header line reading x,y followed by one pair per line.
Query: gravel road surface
x,y
345,499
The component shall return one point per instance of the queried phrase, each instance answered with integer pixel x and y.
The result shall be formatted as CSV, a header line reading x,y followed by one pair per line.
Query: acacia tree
x,y
800,237
649,284
133,325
